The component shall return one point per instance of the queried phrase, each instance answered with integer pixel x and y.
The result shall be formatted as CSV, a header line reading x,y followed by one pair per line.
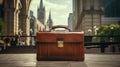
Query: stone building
x,y
39,26
87,15
90,14
41,13
24,18
35,24
16,18
11,16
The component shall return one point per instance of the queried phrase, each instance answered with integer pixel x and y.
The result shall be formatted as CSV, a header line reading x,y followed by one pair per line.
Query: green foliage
x,y
1,26
109,30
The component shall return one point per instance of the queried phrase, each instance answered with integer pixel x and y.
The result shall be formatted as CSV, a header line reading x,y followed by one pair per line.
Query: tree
x,y
109,30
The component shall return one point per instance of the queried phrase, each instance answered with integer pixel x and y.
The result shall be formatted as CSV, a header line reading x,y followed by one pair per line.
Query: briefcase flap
x,y
54,37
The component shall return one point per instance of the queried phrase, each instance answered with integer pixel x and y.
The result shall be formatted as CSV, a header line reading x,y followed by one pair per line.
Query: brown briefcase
x,y
60,46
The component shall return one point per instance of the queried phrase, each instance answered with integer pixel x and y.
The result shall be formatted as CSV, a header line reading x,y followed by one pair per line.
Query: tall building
x,y
111,12
70,21
86,15
49,21
41,12
112,8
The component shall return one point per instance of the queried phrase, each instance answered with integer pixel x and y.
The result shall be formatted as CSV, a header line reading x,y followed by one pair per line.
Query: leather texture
x,y
48,46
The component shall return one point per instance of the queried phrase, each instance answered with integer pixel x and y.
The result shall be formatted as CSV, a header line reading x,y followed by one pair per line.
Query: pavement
x,y
29,60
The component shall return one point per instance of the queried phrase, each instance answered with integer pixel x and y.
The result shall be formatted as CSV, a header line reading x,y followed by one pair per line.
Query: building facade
x,y
111,12
24,24
11,16
39,26
70,21
16,18
35,25
41,13
110,20
87,15
112,8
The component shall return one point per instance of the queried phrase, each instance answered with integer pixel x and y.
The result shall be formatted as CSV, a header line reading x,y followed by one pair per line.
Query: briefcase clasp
x,y
60,44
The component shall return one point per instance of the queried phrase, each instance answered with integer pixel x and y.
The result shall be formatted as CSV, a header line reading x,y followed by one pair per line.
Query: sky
x,y
60,10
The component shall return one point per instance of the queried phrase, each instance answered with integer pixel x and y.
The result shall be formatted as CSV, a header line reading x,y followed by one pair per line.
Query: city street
x,y
29,60
55,29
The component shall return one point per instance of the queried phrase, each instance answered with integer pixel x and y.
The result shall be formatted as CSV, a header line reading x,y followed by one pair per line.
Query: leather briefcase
x,y
60,46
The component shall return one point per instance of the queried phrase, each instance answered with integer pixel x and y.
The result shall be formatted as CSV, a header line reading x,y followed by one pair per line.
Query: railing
x,y
101,42
13,41
96,40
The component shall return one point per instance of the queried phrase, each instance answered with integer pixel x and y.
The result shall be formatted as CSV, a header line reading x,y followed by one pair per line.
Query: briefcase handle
x,y
60,26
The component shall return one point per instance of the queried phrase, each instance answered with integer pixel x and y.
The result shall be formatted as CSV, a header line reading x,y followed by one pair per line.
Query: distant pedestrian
x,y
22,43
13,42
7,41
17,40
102,48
